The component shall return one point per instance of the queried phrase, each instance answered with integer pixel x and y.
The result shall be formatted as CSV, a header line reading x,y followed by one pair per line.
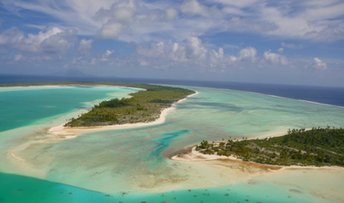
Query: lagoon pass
x,y
134,165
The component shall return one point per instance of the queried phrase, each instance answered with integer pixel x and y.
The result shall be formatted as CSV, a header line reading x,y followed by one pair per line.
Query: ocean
x,y
325,95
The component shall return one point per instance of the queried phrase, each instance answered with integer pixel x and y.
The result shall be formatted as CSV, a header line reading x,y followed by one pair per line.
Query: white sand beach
x,y
195,155
63,132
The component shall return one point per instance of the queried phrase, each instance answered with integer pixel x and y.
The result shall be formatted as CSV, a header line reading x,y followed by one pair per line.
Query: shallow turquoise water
x,y
119,162
20,107
18,189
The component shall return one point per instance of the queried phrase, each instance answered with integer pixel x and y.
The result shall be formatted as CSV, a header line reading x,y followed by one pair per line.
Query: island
x,y
142,106
315,147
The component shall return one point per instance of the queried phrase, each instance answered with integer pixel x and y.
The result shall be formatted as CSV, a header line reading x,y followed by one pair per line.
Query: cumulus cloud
x,y
217,58
50,40
136,21
196,48
190,50
319,64
248,53
194,51
275,58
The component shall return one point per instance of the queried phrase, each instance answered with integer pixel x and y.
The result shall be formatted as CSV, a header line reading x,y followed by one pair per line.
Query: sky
x,y
256,41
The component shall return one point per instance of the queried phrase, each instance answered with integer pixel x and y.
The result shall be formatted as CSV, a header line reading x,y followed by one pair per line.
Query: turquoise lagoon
x,y
29,105
132,166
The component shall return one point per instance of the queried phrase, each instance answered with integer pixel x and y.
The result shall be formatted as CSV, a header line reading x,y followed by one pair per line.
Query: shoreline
x,y
194,155
43,86
71,132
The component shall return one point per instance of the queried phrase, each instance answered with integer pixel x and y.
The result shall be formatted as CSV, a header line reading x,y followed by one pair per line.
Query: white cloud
x,y
217,58
275,58
290,26
289,19
191,50
108,53
319,64
123,20
142,20
105,56
248,53
194,7
123,10
317,22
138,21
111,30
194,52
196,48
85,45
78,14
51,40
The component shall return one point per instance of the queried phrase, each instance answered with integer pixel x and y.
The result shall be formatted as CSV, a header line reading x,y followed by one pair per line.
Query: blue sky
x,y
263,41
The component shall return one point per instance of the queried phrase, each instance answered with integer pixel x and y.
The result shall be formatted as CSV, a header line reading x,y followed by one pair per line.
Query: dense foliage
x,y
142,106
318,146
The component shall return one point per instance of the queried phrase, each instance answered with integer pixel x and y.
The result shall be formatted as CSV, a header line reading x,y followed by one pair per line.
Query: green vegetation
x,y
142,106
318,147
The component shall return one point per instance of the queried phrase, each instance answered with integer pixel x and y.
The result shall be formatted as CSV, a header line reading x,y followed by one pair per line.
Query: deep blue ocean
x,y
325,95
